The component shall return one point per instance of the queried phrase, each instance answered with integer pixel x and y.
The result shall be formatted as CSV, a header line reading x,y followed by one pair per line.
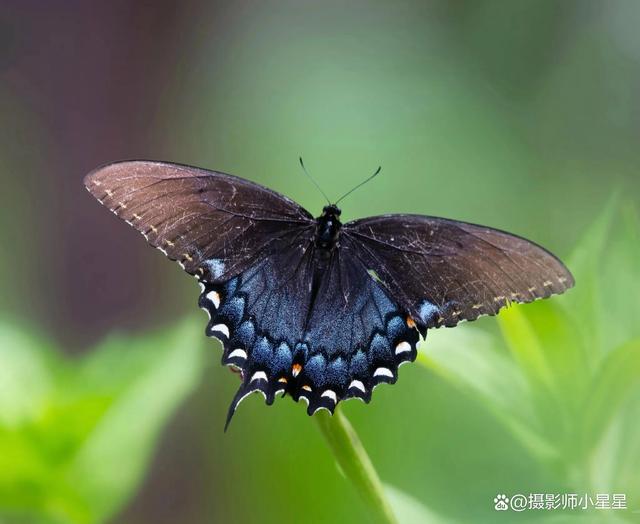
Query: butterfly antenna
x,y
314,182
360,184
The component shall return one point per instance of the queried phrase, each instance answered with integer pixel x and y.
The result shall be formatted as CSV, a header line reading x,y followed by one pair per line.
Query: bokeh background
x,y
521,115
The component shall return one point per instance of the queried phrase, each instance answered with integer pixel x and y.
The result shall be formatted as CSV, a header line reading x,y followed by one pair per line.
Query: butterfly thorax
x,y
328,228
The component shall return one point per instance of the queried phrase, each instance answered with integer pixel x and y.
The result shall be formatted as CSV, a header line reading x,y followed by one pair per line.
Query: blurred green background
x,y
520,115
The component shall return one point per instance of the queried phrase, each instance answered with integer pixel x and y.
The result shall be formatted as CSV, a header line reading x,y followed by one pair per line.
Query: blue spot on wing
x,y
233,310
282,359
396,327
245,334
315,369
380,349
338,372
262,352
428,312
359,365
230,286
215,266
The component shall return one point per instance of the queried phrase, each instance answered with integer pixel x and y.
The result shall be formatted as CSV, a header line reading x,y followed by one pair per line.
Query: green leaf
x,y
27,384
525,346
620,281
528,351
76,436
617,377
470,359
111,462
26,365
583,302
614,463
556,335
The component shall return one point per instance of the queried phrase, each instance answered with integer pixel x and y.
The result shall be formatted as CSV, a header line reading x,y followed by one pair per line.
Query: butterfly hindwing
x,y
325,346
444,271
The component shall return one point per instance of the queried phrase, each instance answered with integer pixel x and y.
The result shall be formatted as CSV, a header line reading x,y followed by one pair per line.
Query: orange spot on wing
x,y
411,323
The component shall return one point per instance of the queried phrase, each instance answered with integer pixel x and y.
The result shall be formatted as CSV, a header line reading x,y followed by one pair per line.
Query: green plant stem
x,y
355,463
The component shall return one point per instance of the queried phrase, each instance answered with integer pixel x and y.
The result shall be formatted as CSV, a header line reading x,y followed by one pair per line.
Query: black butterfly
x,y
308,306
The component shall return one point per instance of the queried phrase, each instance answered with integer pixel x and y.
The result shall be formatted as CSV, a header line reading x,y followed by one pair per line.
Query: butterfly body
x,y
328,229
313,308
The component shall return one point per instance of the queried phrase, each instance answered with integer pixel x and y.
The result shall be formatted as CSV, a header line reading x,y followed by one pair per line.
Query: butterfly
x,y
311,307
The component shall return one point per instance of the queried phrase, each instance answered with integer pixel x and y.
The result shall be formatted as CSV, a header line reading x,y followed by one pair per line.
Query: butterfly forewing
x,y
443,271
214,224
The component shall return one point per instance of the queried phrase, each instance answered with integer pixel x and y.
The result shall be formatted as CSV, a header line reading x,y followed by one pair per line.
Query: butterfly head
x,y
328,227
331,211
